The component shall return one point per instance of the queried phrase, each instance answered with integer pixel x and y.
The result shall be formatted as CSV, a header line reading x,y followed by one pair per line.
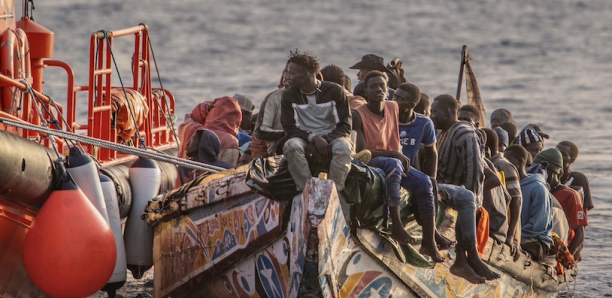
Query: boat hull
x,y
314,255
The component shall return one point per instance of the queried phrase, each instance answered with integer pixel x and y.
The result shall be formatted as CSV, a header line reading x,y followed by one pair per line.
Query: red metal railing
x,y
154,131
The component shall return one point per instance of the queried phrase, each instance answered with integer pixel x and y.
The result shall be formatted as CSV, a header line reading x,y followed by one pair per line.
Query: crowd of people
x,y
436,150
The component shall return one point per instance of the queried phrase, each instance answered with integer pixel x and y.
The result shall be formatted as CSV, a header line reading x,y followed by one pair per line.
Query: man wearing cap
x,y
317,120
502,136
531,141
500,116
569,199
368,63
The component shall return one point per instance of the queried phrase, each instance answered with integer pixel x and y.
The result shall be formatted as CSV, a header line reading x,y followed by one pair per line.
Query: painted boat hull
x,y
314,255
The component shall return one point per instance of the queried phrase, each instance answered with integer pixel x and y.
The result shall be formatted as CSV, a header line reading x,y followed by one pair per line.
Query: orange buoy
x,y
70,250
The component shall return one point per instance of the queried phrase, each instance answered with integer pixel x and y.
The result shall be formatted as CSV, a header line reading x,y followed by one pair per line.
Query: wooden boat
x,y
224,240
215,237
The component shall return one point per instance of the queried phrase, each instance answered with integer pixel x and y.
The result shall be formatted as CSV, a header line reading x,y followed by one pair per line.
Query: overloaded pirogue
x,y
81,203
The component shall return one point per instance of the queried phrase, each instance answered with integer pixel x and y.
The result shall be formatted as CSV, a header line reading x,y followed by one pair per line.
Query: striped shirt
x,y
460,158
513,183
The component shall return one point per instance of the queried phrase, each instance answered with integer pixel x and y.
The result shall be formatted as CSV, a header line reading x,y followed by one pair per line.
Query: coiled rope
x,y
114,146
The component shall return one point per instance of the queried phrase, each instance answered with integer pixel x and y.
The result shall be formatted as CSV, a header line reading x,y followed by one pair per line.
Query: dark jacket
x,y
328,92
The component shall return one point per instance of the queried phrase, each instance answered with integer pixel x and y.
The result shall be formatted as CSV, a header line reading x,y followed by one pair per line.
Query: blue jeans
x,y
465,203
393,168
416,183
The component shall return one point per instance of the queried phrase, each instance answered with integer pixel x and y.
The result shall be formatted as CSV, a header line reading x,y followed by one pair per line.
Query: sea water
x,y
547,61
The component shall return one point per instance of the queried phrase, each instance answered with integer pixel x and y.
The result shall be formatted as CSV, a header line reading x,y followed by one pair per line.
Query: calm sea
x,y
547,61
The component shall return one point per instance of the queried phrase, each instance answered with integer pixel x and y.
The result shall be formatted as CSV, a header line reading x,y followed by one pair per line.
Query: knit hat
x,y
503,116
553,157
245,102
502,135
528,136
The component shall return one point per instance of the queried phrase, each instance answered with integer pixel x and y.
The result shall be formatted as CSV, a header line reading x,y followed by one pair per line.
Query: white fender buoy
x,y
119,276
85,174
145,179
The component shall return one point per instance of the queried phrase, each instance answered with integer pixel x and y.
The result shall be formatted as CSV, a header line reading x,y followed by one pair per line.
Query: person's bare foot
x,y
463,270
431,250
443,242
479,266
401,236
483,270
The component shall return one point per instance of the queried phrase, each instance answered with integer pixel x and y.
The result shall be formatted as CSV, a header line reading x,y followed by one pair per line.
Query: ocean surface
x,y
547,61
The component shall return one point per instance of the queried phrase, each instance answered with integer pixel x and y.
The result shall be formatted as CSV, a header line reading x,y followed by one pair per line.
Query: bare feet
x,y
483,270
463,270
443,242
401,236
479,266
431,250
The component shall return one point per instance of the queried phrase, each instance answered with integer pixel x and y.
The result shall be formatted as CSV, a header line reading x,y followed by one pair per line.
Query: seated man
x,y
575,180
536,214
223,117
269,127
317,120
461,174
416,132
376,124
569,199
514,189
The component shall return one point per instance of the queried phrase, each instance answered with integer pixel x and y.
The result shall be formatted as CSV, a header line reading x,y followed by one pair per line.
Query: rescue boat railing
x,y
29,113
154,131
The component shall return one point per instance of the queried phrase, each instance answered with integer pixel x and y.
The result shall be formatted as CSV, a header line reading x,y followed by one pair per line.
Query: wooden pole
x,y
460,81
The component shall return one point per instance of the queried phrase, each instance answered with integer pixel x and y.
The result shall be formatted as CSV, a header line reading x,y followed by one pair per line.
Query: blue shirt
x,y
536,215
243,138
421,130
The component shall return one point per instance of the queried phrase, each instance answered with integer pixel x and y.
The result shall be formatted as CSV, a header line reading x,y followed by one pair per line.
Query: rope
x,y
28,89
54,120
142,141
114,146
168,119
68,128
